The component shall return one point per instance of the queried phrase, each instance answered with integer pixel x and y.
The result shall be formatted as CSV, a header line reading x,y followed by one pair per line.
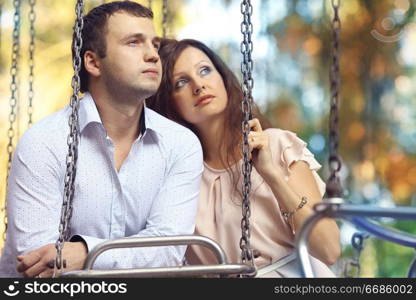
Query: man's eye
x,y
133,42
157,46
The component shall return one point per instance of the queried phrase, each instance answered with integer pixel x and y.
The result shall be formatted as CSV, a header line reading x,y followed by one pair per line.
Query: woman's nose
x,y
198,89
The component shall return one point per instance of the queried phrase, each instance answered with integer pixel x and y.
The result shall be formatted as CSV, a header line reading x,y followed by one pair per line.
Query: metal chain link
x,y
149,4
357,242
14,70
333,185
165,14
32,18
246,49
73,137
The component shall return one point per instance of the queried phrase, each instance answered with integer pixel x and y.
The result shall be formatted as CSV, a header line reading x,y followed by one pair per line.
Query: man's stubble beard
x,y
124,92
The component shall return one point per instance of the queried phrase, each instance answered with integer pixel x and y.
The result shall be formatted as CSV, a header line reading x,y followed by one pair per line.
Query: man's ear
x,y
92,63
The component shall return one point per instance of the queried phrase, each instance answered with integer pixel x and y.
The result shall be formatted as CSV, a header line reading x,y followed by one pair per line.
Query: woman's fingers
x,y
257,140
255,125
255,143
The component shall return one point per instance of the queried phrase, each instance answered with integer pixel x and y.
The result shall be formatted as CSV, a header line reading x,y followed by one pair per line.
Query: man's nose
x,y
151,54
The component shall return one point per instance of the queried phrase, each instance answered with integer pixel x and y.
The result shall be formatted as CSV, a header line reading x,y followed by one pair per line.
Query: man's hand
x,y
35,263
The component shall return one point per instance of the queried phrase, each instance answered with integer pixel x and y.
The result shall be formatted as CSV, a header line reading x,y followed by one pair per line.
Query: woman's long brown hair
x,y
163,103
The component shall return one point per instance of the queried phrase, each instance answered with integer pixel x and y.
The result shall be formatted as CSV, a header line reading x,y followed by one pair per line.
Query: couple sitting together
x,y
159,155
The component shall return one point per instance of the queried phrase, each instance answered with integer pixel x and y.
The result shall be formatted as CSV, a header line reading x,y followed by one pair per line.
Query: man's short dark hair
x,y
95,29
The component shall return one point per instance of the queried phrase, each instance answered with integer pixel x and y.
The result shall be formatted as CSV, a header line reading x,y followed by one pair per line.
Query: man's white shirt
x,y
155,193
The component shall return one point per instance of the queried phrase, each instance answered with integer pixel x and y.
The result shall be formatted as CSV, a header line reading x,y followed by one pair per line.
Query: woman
x,y
200,92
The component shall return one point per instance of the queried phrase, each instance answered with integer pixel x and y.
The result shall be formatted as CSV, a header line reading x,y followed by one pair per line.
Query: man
x,y
138,173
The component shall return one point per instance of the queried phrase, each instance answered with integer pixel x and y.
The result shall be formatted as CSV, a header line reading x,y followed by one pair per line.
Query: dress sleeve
x,y
289,149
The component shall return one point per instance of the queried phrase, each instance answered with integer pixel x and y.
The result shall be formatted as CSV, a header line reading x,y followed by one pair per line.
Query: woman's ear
x,y
92,63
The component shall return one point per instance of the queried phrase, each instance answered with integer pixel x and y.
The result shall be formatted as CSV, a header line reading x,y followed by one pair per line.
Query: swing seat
x,y
223,269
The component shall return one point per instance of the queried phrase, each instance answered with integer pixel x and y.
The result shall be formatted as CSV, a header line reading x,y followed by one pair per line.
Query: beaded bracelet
x,y
289,214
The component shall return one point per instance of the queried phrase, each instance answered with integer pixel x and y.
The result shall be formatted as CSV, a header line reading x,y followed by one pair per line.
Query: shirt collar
x,y
88,113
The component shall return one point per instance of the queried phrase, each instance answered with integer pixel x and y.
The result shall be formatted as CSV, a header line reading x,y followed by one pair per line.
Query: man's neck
x,y
120,116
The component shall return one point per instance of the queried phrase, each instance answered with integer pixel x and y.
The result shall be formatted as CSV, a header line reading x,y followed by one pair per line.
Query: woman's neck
x,y
211,137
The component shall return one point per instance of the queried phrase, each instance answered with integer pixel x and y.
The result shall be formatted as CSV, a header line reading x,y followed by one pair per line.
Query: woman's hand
x,y
261,155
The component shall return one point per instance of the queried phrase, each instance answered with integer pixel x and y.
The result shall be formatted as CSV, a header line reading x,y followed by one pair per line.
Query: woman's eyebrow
x,y
195,65
200,62
177,74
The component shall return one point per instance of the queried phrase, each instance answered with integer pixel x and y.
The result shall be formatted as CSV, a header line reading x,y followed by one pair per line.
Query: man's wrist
x,y
79,239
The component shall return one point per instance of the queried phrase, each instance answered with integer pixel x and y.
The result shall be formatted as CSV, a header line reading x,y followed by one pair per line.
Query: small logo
x,y
11,292
387,24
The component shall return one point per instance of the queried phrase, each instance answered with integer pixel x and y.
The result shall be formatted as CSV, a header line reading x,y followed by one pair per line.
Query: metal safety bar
x,y
223,268
388,234
333,208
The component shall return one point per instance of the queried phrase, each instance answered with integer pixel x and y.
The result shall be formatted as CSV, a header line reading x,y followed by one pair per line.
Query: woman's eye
x,y
180,83
205,70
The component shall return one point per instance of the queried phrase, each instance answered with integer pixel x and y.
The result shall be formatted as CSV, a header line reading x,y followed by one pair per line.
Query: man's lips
x,y
203,98
151,71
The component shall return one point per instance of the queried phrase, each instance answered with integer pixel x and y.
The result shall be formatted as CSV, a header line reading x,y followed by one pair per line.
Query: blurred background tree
x,y
291,51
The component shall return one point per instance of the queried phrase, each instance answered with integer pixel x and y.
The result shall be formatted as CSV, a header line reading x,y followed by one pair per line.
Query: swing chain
x,y
357,242
73,137
247,86
149,4
32,18
164,18
14,70
334,188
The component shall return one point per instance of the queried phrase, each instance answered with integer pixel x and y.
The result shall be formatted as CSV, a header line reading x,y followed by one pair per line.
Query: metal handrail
x,y
335,209
180,271
223,268
411,273
155,241
388,234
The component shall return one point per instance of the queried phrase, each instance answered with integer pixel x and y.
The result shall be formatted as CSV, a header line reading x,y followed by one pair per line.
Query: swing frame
x,y
334,208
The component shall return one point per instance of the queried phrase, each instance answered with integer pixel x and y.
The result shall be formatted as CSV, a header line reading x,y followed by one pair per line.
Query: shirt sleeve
x,y
290,149
173,213
34,196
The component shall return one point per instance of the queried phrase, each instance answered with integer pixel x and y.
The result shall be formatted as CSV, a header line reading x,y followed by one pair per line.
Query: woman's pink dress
x,y
219,210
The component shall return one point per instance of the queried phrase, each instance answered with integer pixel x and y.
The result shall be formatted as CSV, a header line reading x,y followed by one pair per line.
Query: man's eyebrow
x,y
141,36
157,39
134,35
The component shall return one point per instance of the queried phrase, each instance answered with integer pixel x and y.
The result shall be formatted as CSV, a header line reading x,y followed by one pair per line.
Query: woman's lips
x,y
204,99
